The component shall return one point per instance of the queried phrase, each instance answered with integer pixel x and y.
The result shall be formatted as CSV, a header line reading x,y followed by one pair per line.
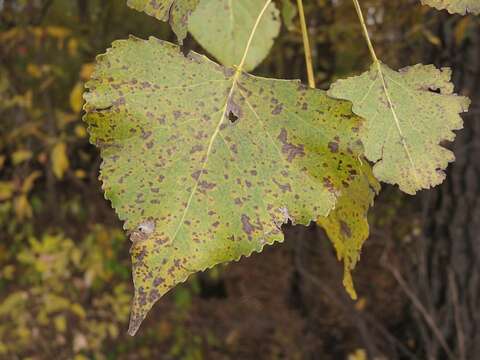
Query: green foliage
x,y
44,303
455,6
176,12
197,189
223,27
406,119
289,12
73,284
205,163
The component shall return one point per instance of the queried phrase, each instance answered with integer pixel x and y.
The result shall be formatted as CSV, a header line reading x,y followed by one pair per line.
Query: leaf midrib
x,y
235,78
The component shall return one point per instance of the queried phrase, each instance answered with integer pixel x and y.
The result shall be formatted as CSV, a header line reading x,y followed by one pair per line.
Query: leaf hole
x,y
186,46
232,117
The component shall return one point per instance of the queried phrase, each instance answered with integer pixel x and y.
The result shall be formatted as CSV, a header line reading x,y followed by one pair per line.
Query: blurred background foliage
x,y
65,283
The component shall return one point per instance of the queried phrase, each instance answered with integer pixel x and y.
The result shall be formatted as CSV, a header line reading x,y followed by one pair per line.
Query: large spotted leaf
x,y
176,12
455,6
205,163
223,28
408,113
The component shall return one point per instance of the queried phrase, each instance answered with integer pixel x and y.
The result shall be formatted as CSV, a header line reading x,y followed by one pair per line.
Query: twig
x,y
458,319
306,45
420,308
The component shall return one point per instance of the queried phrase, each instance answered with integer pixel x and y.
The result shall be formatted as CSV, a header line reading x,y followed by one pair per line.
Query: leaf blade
x,y
461,7
405,121
223,28
176,12
288,156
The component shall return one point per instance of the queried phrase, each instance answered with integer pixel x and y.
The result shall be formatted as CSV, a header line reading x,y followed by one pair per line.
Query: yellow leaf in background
x,y
359,354
87,70
6,190
20,156
431,37
59,159
8,272
361,304
29,181
80,131
78,310
64,118
58,32
22,207
2,160
72,46
34,71
461,29
60,323
76,99
80,357
80,174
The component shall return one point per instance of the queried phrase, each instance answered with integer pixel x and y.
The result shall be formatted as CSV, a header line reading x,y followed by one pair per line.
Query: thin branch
x,y
358,9
421,309
306,45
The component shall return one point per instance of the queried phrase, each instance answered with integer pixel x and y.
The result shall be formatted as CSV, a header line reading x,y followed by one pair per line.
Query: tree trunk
x,y
445,273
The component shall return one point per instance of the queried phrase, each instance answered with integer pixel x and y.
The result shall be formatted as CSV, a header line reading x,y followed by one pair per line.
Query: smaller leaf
x,y
347,225
176,12
455,6
408,114
22,207
59,159
223,28
28,183
76,98
6,190
289,12
20,156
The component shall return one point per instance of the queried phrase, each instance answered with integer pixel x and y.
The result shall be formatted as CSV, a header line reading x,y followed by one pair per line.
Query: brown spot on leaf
x,y
290,149
247,226
333,146
345,229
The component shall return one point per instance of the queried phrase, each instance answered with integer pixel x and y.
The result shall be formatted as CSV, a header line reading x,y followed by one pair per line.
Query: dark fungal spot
x,y
345,229
196,148
333,146
290,149
247,226
277,109
177,114
204,185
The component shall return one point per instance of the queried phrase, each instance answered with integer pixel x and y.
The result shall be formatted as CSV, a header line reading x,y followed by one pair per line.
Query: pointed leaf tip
x,y
176,12
194,187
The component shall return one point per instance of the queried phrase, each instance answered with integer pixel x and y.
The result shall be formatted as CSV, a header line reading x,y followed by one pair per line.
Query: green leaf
x,y
408,114
347,224
176,12
205,163
289,12
223,28
455,6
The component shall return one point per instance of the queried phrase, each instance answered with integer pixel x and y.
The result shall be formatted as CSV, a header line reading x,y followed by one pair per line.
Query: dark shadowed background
x,y
65,283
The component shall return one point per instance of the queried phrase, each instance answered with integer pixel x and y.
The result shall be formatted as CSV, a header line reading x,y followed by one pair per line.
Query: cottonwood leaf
x,y
455,6
205,163
347,224
223,28
289,12
176,12
408,113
